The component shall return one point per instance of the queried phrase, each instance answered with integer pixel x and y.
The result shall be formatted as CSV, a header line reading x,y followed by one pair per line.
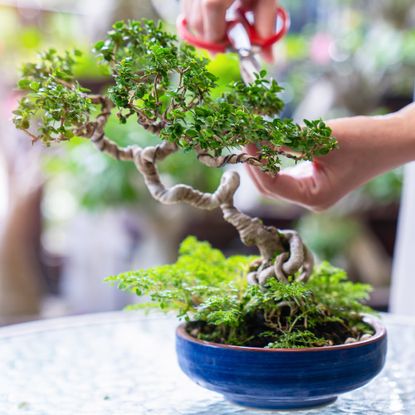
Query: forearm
x,y
395,136
381,142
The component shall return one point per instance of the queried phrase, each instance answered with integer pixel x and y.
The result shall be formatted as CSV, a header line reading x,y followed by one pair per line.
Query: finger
x,y
186,7
214,19
265,17
252,150
297,184
248,4
195,18
292,184
265,22
255,178
268,54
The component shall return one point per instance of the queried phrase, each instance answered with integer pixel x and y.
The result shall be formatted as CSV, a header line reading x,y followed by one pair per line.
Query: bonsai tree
x,y
166,87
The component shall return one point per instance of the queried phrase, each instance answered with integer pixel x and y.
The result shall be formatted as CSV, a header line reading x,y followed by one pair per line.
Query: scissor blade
x,y
241,42
239,38
250,67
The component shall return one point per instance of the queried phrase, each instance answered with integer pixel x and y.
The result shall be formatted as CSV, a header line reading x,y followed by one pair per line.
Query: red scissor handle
x,y
189,37
264,43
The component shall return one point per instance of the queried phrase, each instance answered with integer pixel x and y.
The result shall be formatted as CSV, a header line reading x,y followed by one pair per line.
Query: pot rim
x,y
380,333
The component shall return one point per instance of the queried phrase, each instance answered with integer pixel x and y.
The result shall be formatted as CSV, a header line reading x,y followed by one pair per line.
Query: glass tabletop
x,y
125,364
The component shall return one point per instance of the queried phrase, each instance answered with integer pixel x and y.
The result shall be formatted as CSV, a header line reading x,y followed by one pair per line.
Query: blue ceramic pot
x,y
282,378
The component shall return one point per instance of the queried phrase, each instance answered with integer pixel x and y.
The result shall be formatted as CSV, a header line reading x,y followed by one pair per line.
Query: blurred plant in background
x,y
384,189
365,47
329,235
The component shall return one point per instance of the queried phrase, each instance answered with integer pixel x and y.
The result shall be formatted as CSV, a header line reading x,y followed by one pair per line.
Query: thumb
x,y
214,19
264,20
296,184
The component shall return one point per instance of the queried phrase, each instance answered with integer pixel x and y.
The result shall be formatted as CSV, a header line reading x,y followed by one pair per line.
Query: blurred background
x,y
70,216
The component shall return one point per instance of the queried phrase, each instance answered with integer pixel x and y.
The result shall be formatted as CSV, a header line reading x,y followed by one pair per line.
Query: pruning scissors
x,y
241,37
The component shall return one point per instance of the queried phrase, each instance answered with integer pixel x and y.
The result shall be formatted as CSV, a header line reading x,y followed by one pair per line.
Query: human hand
x,y
207,17
367,146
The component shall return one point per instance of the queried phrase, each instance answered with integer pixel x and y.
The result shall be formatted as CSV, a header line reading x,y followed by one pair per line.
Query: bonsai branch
x,y
219,161
283,253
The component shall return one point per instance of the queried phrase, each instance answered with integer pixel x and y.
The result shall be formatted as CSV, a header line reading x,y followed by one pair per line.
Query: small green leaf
x,y
99,45
24,84
34,85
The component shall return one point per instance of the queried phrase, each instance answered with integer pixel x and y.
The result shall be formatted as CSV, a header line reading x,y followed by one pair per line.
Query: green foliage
x,y
199,273
53,97
331,287
163,83
225,66
211,293
297,339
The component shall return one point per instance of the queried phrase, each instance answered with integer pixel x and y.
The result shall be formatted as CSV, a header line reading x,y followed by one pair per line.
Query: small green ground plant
x,y
275,300
211,293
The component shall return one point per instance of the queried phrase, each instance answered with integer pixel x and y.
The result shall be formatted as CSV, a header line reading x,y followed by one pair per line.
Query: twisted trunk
x,y
283,253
